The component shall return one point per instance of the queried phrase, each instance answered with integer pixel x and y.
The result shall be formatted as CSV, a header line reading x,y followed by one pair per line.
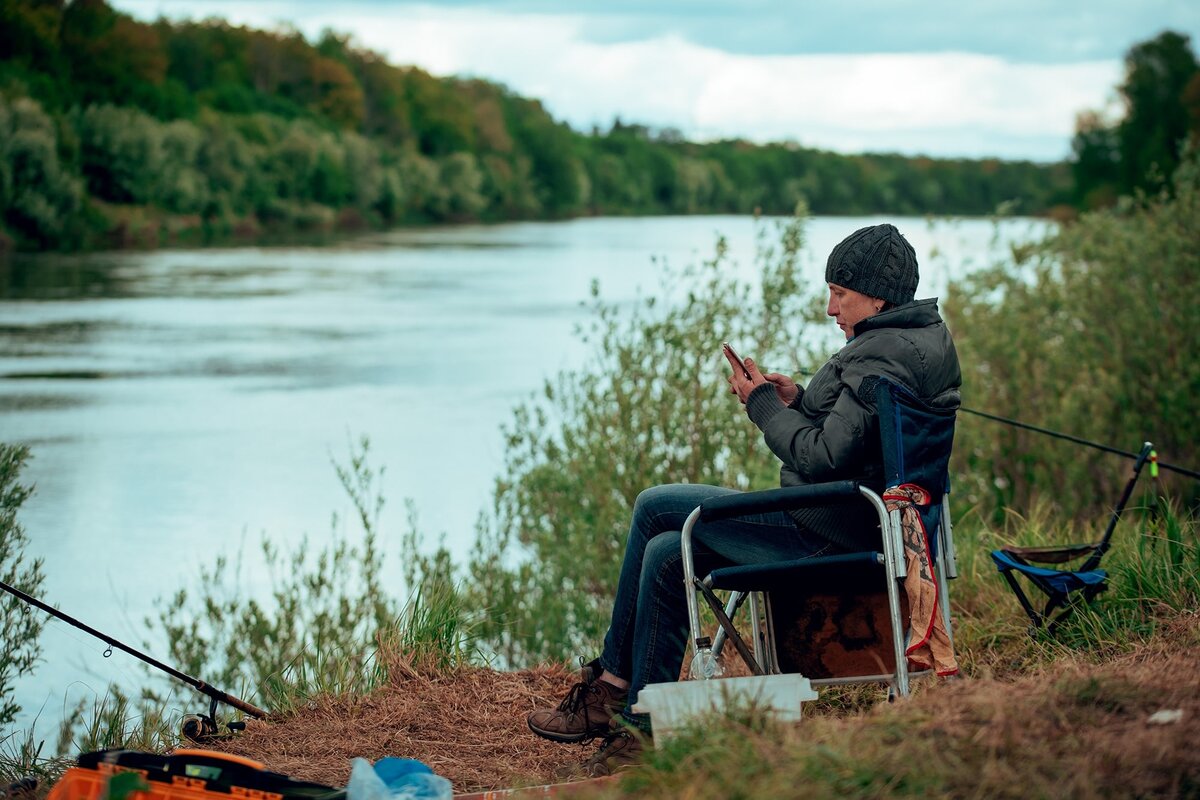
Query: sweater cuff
x,y
763,404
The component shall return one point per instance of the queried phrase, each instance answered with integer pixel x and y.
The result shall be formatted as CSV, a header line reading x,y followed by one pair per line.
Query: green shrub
x,y
649,406
316,631
1094,332
20,625
121,153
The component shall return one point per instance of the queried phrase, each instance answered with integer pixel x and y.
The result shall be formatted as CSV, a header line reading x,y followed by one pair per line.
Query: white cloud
x,y
952,104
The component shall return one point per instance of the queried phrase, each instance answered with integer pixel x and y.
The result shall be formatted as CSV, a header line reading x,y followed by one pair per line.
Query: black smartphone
x,y
735,360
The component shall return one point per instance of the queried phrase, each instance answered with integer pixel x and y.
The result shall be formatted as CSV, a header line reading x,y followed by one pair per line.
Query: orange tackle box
x,y
183,775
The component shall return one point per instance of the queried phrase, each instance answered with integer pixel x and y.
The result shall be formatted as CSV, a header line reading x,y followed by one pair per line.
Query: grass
x,y
1073,729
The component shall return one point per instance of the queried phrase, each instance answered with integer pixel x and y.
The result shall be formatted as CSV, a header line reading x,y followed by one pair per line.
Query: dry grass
x,y
468,726
1071,729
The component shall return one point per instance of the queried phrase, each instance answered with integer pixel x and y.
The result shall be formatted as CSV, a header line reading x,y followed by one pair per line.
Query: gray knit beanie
x,y
877,261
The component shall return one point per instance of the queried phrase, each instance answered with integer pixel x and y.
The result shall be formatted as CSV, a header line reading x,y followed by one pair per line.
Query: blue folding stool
x,y
1064,587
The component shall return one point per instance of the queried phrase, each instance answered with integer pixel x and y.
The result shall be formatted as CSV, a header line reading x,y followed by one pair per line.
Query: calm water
x,y
181,404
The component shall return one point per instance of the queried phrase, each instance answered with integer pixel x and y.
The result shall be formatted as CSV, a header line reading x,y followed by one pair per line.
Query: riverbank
x,y
124,228
1125,727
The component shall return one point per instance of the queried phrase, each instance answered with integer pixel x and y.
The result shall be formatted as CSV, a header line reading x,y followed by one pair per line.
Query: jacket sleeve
x,y
823,450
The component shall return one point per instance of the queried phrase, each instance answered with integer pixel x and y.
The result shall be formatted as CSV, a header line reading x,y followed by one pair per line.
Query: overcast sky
x,y
940,77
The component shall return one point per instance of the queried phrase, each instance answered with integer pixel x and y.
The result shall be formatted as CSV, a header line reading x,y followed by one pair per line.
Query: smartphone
x,y
735,359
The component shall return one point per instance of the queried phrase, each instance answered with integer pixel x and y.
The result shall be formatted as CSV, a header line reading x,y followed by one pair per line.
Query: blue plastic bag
x,y
395,779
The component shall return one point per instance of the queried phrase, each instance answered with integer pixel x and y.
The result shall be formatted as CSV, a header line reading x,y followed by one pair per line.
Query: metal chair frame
x,y
765,655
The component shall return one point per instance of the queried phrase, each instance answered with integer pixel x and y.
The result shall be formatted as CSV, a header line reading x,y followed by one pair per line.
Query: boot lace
x,y
576,698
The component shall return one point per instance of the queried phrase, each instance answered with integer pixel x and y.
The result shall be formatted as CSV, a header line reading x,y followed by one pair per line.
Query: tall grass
x,y
1093,331
331,627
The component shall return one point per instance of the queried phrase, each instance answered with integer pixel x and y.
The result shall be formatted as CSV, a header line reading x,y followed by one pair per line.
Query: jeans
x,y
647,637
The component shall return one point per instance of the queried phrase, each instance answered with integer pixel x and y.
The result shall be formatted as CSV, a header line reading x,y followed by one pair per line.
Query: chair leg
x,y
1068,604
736,599
727,625
1034,616
771,639
1054,623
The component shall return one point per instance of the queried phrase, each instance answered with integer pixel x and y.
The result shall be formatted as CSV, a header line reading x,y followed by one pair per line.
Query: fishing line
x,y
119,668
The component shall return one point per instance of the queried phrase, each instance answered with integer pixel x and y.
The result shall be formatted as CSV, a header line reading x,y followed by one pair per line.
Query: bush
x,y
20,649
1093,332
121,152
651,406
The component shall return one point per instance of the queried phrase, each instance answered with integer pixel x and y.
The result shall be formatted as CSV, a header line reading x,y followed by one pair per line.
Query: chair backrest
x,y
916,438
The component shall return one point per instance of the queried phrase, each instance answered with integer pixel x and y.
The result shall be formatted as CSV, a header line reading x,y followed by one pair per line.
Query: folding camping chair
x,y
1064,587
843,618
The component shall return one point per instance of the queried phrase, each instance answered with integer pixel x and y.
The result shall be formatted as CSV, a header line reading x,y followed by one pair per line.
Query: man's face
x,y
849,307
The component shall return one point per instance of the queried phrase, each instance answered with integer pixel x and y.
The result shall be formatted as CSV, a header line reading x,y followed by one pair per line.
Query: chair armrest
x,y
817,494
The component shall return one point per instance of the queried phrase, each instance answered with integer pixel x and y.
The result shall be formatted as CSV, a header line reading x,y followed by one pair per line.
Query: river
x,y
181,404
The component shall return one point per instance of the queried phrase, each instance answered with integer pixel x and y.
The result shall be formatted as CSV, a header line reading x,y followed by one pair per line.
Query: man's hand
x,y
742,386
785,387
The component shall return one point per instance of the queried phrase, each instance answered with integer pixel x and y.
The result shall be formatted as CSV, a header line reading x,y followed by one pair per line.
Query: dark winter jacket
x,y
831,432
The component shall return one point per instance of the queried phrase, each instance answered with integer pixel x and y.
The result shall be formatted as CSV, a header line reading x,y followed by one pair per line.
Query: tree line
x,y
115,131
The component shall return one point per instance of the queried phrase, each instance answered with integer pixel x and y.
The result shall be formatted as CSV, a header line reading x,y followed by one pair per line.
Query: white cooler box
x,y
673,705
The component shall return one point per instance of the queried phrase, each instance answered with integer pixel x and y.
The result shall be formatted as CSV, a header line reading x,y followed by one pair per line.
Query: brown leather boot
x,y
622,748
585,713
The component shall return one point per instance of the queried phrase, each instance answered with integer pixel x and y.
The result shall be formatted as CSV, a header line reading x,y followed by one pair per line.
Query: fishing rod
x,y
1191,473
194,726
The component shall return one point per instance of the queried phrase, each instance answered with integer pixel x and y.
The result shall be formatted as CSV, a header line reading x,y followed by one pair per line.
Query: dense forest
x,y
115,132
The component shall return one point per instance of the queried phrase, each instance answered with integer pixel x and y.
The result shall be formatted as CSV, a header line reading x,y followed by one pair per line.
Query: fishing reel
x,y
202,728
198,727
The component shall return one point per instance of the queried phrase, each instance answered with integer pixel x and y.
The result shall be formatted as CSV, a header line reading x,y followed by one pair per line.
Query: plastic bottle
x,y
704,664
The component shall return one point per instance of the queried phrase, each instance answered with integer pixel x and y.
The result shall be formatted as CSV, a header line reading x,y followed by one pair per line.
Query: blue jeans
x,y
647,637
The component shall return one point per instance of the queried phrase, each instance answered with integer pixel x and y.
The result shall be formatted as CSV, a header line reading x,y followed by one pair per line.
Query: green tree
x,y
20,649
39,197
441,118
121,153
1156,122
113,59
385,107
550,147
1161,95
462,180
182,187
